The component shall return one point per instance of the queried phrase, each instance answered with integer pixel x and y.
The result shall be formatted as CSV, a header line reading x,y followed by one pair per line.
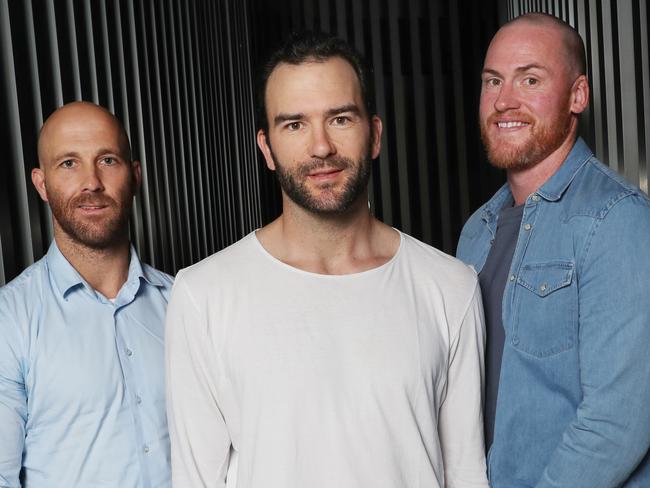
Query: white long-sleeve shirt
x,y
371,379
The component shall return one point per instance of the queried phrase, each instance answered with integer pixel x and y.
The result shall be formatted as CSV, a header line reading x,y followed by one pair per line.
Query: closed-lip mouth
x,y
325,171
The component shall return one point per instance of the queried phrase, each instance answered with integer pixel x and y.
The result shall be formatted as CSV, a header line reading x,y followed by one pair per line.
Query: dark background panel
x,y
181,76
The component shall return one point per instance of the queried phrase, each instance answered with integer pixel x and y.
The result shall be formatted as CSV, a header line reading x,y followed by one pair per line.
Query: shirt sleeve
x,y
460,423
610,432
200,442
13,400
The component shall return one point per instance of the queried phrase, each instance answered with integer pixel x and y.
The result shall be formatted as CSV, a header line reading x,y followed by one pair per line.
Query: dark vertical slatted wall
x,y
617,124
177,74
427,56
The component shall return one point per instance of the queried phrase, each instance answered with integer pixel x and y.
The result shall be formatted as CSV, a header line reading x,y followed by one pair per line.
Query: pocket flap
x,y
544,278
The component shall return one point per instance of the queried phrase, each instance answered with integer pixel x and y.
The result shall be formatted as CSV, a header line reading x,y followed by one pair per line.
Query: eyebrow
x,y
285,117
99,152
520,69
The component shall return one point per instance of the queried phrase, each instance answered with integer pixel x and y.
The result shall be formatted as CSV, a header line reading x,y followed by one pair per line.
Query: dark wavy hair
x,y
316,47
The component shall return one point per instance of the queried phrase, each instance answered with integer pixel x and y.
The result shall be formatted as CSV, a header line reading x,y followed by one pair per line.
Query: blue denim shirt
x,y
574,394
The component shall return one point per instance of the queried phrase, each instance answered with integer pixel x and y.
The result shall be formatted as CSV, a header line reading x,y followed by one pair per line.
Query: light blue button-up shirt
x,y
82,399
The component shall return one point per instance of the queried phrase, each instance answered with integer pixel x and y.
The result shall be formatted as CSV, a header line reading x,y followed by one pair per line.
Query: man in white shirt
x,y
326,349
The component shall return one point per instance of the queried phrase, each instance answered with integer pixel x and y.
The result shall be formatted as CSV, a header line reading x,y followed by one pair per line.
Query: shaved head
x,y
76,111
87,176
572,42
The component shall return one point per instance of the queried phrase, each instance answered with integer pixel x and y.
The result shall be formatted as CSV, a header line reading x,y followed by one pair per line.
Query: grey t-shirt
x,y
493,278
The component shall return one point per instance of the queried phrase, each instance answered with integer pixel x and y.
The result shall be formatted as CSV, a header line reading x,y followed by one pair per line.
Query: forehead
x,y
523,43
312,86
81,129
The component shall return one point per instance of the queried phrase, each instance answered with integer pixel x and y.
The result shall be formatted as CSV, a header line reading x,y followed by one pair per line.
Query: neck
x,y
525,181
106,270
344,243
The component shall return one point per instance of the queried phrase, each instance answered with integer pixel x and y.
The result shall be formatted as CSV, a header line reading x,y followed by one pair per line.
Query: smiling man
x,y
326,349
81,331
564,267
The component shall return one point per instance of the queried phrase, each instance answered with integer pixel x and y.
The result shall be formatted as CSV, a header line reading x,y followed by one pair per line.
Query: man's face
x,y
525,108
320,140
86,176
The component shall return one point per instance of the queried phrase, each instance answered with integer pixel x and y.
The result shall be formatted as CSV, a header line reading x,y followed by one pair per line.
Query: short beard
x,y
98,235
293,184
542,142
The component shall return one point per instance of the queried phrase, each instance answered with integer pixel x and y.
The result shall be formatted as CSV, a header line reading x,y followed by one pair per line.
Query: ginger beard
x,y
544,137
96,232
325,199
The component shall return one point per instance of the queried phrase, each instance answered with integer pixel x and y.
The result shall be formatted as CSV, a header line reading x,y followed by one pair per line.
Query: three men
x,y
327,349
564,265
81,331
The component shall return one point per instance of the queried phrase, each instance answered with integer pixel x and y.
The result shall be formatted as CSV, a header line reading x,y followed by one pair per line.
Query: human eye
x,y
341,120
108,160
294,126
67,164
530,81
492,82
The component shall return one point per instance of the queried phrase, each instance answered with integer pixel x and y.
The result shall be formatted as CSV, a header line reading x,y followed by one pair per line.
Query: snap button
x,y
512,277
543,287
527,226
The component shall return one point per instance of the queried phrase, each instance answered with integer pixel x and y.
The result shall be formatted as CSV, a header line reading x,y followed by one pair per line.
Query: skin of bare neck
x,y
526,181
346,243
106,270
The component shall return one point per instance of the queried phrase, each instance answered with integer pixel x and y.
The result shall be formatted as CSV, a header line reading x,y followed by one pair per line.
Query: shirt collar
x,y
553,188
497,202
66,278
557,184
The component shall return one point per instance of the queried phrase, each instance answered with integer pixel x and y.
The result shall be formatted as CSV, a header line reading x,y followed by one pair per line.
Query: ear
x,y
579,95
38,179
136,167
376,127
266,149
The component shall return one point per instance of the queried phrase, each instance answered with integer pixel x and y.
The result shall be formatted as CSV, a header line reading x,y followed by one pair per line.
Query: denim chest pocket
x,y
546,309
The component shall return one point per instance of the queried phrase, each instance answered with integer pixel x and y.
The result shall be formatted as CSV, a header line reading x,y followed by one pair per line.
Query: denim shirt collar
x,y
552,190
556,185
66,278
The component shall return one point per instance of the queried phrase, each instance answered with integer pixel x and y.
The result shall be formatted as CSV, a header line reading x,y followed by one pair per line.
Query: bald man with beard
x,y
81,330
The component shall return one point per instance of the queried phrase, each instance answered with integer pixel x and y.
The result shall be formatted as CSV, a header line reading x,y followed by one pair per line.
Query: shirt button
x,y
543,287
146,449
138,400
535,198
512,277
527,226
129,352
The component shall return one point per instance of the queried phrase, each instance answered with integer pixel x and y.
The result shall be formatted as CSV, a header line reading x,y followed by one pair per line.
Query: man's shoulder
x,y
24,287
439,266
21,300
230,262
598,189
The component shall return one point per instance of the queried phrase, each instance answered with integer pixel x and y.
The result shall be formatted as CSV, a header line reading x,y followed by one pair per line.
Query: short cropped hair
x,y
307,47
575,47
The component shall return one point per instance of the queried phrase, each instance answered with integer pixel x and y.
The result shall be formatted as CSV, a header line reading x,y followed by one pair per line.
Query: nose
x,y
92,179
321,143
506,99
